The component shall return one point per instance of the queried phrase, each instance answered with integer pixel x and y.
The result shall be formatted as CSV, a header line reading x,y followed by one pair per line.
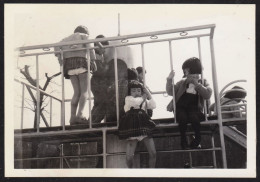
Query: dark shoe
x,y
187,165
195,144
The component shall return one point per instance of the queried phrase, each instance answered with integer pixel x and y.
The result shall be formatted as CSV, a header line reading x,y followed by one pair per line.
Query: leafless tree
x,y
27,75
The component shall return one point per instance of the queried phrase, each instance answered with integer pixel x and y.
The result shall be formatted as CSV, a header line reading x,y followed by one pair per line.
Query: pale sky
x,y
233,39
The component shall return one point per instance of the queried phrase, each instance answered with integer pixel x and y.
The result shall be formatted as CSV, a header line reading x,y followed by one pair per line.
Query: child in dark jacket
x,y
190,94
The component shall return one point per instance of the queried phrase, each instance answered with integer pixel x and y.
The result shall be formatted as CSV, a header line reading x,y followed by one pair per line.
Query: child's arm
x,y
204,90
150,102
92,52
169,85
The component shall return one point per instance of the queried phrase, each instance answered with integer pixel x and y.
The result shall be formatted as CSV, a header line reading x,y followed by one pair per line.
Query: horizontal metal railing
x,y
178,30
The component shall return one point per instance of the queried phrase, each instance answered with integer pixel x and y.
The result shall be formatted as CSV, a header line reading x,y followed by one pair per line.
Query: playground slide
x,y
235,135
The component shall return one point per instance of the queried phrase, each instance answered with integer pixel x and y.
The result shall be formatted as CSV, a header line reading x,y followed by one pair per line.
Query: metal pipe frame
x,y
118,45
147,34
38,94
143,64
173,90
235,81
213,151
202,76
50,111
217,101
116,85
22,109
104,148
63,93
89,89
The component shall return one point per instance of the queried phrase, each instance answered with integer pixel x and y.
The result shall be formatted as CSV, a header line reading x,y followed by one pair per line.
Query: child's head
x,y
135,88
236,93
81,29
191,66
140,73
132,74
104,43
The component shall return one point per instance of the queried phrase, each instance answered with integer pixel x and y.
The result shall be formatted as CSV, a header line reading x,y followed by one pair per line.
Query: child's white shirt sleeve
x,y
151,104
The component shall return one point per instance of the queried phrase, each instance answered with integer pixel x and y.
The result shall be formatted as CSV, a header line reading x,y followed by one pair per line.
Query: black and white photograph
x,y
130,90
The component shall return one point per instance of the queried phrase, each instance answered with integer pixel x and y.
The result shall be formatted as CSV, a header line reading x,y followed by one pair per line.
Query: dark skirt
x,y
77,62
135,123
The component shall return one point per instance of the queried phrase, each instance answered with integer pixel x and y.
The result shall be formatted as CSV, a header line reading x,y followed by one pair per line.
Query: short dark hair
x,y
140,69
81,29
193,64
132,74
103,43
100,37
134,84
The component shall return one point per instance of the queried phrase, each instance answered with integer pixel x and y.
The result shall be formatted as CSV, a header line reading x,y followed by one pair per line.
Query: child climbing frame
x,y
146,38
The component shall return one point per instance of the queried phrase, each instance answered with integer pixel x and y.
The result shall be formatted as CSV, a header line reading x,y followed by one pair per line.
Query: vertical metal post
x,y
63,93
217,101
50,111
61,156
116,85
173,91
89,90
202,77
118,24
38,93
213,152
143,64
104,132
22,109
78,163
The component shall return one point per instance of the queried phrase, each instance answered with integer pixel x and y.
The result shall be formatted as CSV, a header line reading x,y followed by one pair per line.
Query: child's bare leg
x,y
75,99
83,82
130,151
149,143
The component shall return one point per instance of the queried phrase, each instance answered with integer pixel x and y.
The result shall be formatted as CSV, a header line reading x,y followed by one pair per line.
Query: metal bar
x,y
118,24
33,87
212,29
173,91
38,94
213,151
64,157
202,77
22,109
217,101
167,151
50,111
120,45
116,85
63,93
221,92
118,37
143,64
104,149
89,90
61,156
78,162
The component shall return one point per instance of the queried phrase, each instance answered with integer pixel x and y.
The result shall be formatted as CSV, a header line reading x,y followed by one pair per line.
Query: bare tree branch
x,y
29,109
